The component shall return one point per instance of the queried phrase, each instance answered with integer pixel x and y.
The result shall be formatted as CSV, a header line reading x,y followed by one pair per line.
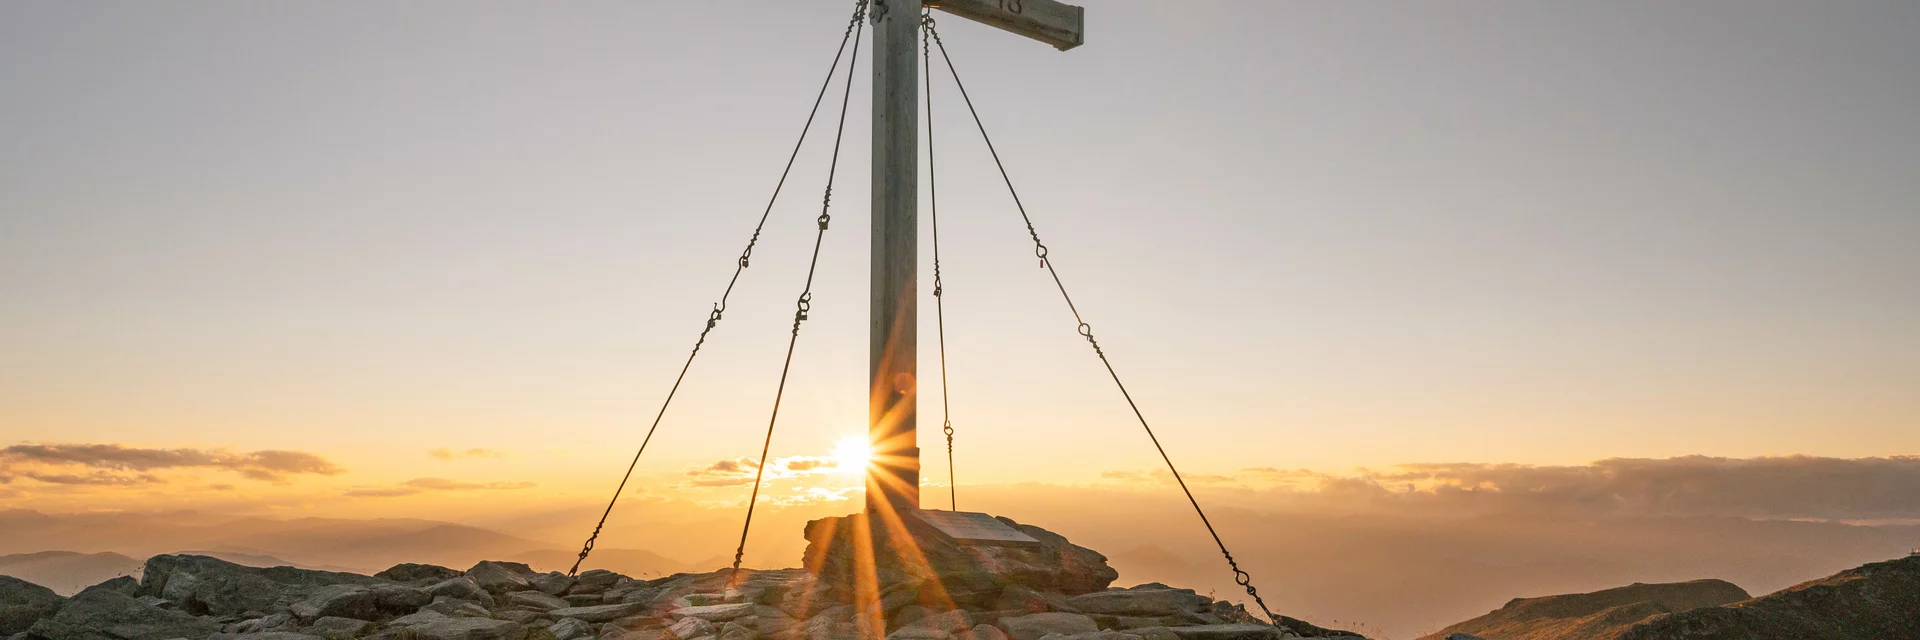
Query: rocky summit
x,y
1056,591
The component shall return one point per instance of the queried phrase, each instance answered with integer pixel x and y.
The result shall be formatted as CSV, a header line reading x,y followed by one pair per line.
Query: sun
x,y
852,454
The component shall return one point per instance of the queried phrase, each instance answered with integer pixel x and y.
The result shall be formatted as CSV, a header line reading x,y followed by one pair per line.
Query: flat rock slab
x,y
1228,632
469,629
536,600
967,527
1038,625
1140,602
716,612
602,613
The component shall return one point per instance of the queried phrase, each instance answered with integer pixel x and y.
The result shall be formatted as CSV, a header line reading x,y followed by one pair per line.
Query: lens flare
x,y
853,454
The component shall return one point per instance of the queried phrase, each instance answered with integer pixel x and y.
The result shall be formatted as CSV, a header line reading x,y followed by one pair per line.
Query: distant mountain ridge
x,y
1599,614
1876,601
67,552
1872,602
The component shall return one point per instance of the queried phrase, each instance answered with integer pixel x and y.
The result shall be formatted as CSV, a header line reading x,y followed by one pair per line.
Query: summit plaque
x,y
969,528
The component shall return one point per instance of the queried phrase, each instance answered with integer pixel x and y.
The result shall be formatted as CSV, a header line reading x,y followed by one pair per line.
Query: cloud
x,y
443,484
444,453
114,464
1775,487
424,485
740,471
1162,476
1766,487
96,478
380,492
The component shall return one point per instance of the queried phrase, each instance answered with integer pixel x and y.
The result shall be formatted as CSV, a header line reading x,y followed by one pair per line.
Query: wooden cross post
x,y
893,482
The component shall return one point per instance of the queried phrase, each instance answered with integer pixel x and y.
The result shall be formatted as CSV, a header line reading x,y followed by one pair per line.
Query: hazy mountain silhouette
x,y
67,572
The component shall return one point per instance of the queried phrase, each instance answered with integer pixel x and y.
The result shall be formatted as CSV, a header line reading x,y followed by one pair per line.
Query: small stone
x,y
1035,625
337,628
1022,597
263,623
954,621
552,583
1135,622
523,616
570,628
690,628
457,608
464,588
611,632
422,617
594,581
988,632
398,599
585,599
535,600
773,622
737,631
919,633
601,613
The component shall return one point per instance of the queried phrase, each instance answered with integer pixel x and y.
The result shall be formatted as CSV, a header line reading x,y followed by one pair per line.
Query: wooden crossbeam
x,y
1056,23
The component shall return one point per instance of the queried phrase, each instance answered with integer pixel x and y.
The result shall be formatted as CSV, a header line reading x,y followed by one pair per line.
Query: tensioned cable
x,y
713,318
803,304
939,306
1240,577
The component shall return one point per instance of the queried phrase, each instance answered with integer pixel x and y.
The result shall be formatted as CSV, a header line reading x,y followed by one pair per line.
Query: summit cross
x,y
893,481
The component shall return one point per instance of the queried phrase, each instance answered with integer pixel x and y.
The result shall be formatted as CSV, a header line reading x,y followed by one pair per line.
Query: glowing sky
x,y
466,245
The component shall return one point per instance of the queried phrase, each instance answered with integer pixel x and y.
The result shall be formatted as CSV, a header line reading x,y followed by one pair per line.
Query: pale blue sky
x,y
1310,234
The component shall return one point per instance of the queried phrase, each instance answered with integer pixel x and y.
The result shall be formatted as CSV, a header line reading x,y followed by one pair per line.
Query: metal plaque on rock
x,y
966,527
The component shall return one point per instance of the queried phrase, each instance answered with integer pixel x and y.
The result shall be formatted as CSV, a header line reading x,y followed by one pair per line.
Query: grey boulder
x,y
23,602
339,601
104,614
500,577
201,585
410,572
461,588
